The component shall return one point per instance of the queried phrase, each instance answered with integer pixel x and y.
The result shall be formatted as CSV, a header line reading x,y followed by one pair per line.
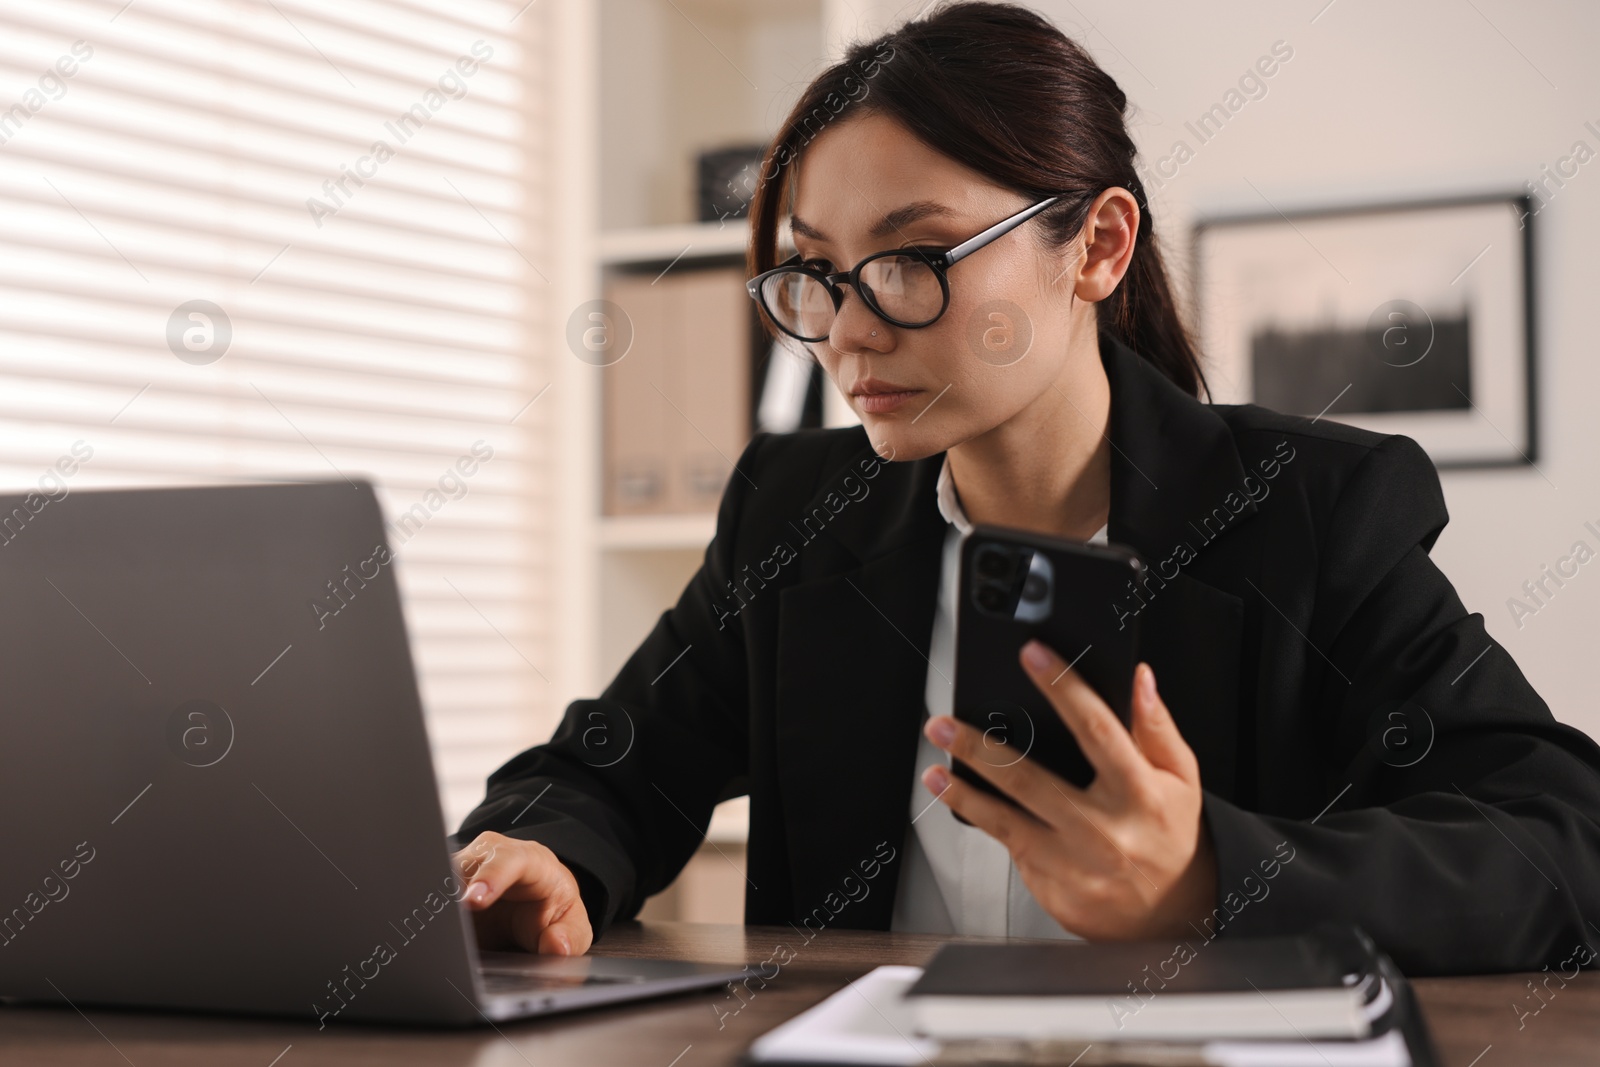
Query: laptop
x,y
215,776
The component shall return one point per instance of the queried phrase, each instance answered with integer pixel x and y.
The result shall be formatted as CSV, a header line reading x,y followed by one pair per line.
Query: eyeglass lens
x,y
906,290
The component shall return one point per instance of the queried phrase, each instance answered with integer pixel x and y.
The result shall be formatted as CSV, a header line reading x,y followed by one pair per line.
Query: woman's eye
x,y
817,264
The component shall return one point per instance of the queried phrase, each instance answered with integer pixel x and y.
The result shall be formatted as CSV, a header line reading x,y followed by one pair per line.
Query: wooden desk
x,y
1472,1019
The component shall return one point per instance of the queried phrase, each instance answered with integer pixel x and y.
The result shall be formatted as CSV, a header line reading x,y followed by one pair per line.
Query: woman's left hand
x,y
1129,856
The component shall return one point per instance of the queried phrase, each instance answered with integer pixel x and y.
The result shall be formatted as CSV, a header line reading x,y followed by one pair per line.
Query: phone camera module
x,y
997,575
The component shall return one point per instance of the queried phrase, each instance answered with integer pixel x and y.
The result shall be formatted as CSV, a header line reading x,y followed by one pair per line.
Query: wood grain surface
x,y
1487,1021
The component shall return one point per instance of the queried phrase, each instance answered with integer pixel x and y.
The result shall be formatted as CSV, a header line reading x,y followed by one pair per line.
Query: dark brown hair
x,y
1003,91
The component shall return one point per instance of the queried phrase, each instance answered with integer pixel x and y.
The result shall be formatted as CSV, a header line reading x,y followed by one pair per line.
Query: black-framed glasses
x,y
906,287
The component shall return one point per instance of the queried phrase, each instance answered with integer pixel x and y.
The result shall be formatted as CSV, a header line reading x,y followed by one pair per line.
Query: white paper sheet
x,y
865,1022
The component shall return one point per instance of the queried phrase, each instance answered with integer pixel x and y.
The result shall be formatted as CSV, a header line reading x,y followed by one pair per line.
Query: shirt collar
x,y
950,505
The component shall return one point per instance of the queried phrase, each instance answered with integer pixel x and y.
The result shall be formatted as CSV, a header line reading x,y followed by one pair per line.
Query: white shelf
x,y
696,240
656,532
653,244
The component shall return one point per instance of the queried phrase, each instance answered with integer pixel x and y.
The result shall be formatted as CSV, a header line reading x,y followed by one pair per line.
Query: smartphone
x,y
1017,585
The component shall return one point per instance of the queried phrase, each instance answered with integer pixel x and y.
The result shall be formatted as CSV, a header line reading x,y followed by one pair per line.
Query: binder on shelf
x,y
714,390
633,415
785,388
675,408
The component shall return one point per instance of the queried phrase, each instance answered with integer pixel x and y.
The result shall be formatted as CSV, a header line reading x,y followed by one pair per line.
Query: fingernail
x,y
475,892
941,731
1036,655
1148,683
937,779
563,944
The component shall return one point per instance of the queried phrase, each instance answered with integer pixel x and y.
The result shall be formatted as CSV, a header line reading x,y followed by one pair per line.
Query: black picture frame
x,y
1265,339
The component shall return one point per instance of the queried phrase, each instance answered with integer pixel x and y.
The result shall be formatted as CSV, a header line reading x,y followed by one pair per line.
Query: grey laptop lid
x,y
215,779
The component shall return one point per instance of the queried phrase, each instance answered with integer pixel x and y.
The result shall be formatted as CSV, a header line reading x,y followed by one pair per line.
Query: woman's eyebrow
x,y
915,211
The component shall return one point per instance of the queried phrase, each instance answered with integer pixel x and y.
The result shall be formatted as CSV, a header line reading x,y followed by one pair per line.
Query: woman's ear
x,y
1108,232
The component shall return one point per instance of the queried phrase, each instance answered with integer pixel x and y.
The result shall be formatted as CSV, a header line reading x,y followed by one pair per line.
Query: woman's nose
x,y
855,325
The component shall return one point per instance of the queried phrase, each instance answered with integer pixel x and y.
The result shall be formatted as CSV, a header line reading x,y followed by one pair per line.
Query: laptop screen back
x,y
213,763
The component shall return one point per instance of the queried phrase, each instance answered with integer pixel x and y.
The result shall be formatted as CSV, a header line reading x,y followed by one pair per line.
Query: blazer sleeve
x,y
1463,829
623,791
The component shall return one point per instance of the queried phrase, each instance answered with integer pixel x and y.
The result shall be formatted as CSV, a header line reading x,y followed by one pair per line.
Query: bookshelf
x,y
665,79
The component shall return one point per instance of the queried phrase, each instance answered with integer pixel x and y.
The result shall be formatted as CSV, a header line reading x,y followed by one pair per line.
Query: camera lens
x,y
992,597
1035,587
992,562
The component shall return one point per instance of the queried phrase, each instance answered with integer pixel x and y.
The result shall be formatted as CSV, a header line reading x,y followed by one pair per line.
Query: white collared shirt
x,y
957,879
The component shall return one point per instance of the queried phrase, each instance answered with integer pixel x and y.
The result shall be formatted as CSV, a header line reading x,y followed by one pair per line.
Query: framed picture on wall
x,y
1412,318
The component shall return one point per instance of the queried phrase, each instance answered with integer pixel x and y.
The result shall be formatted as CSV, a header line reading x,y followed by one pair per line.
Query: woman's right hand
x,y
522,896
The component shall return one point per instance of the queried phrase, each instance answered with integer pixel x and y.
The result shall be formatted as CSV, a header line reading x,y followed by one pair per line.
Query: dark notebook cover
x,y
1108,969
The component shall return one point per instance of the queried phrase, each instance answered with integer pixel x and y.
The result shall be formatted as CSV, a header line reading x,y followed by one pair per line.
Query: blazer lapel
x,y
1177,480
853,660
849,709
1173,460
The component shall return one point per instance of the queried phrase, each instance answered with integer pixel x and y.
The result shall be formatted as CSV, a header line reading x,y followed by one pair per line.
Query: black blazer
x,y
1367,752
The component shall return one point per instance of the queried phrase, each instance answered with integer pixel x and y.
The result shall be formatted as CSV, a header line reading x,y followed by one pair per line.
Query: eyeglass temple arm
x,y
965,248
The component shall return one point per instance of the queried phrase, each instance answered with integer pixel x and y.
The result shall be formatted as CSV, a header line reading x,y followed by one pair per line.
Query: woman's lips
x,y
882,403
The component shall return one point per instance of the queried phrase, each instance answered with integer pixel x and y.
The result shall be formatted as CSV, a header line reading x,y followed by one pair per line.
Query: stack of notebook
x,y
1328,999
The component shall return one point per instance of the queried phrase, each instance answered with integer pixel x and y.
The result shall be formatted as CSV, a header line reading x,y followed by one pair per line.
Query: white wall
x,y
1388,100
681,76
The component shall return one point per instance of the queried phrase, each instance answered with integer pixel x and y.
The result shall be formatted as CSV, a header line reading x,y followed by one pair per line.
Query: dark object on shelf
x,y
728,181
791,390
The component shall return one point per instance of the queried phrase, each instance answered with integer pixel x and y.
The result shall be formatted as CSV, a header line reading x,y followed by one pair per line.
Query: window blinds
x,y
250,241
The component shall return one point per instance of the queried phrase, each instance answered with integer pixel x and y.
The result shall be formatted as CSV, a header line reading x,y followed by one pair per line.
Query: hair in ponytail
x,y
999,88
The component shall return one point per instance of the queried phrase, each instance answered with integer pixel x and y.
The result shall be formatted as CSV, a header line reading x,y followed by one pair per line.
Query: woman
x,y
1320,730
